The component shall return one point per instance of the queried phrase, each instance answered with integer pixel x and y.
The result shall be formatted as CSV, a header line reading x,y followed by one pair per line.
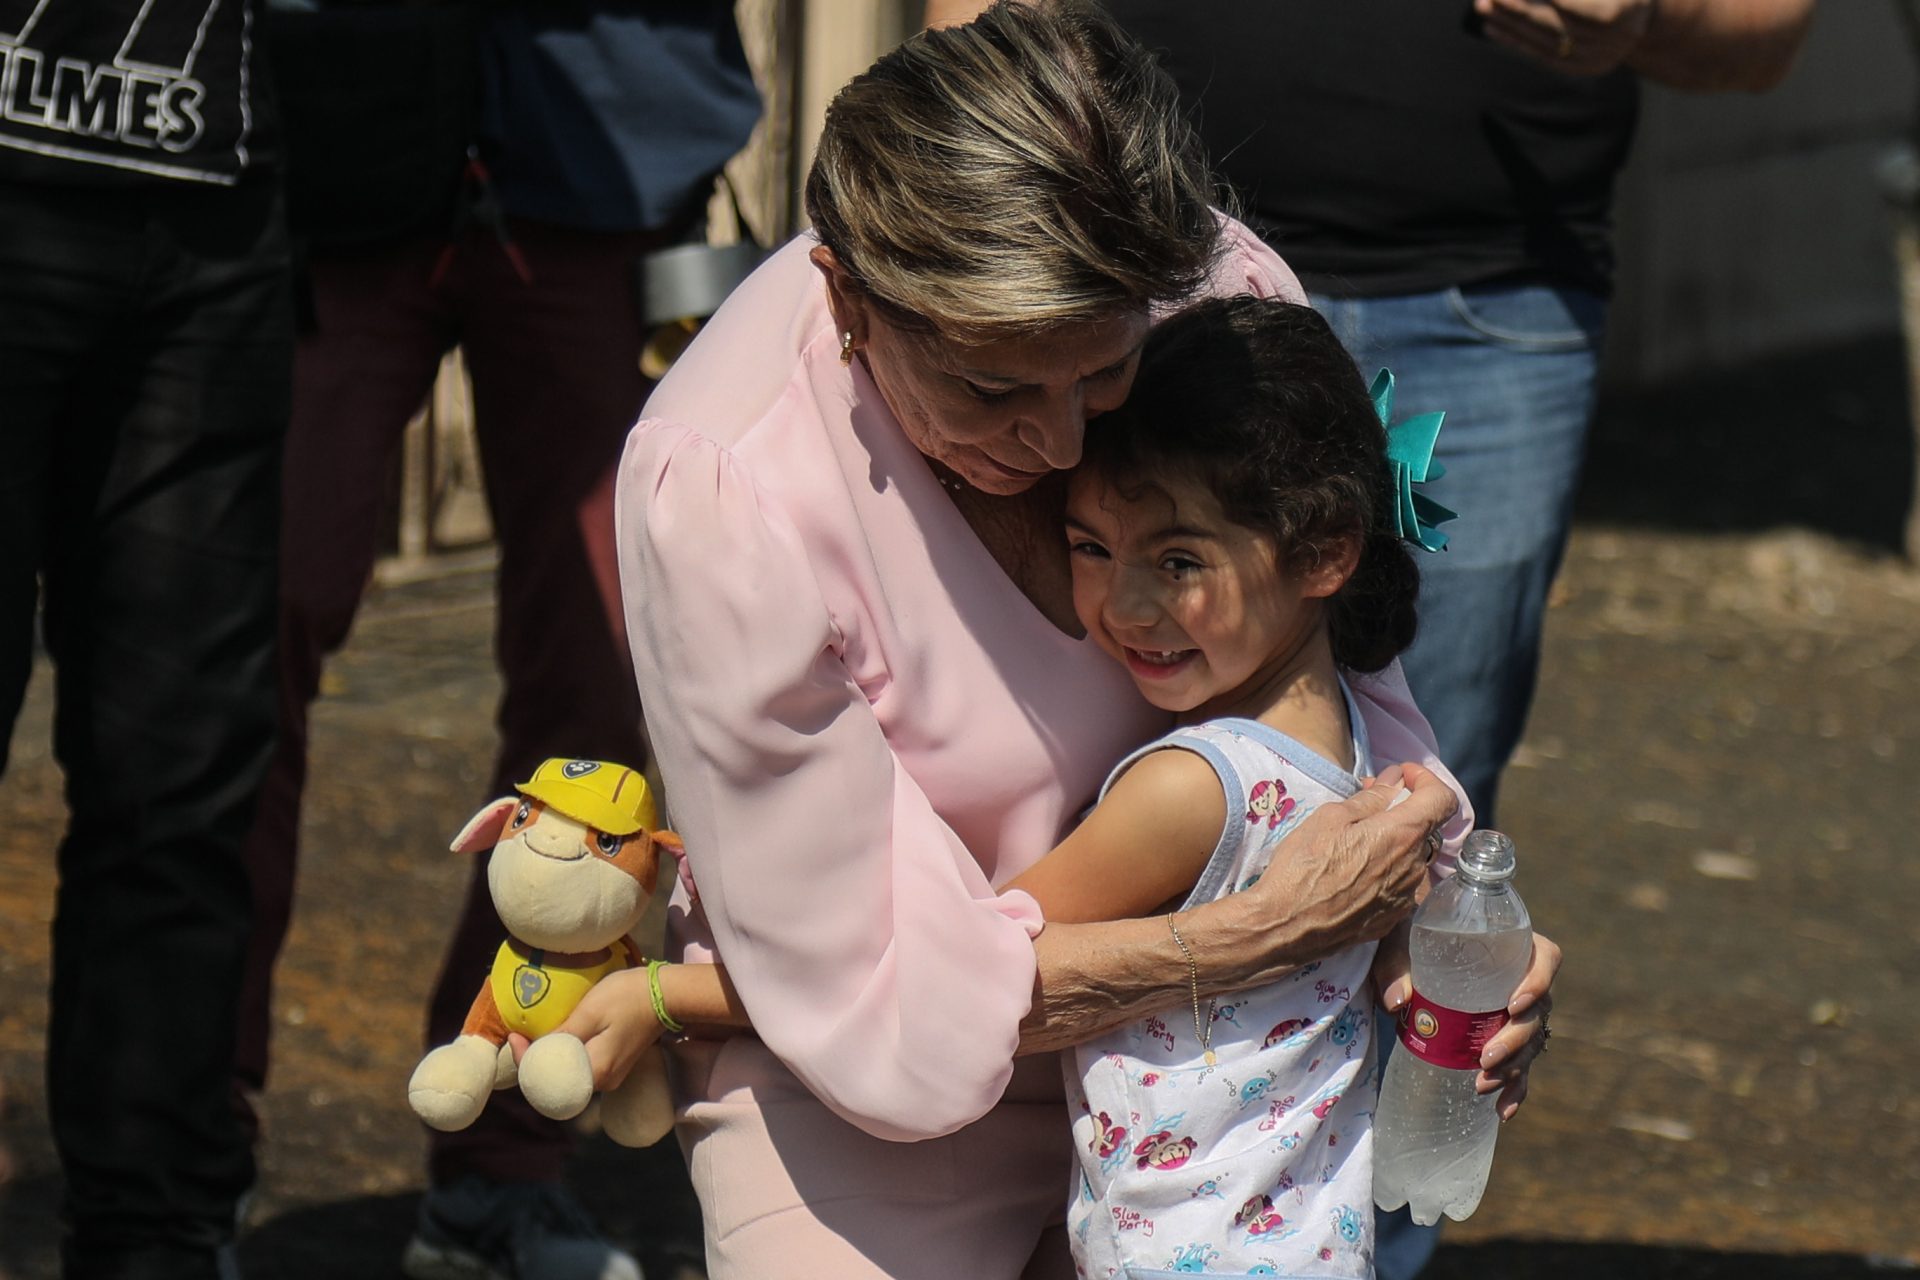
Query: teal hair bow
x,y
1416,517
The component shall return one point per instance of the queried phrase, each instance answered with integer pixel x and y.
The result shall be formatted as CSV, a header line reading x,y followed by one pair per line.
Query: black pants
x,y
145,347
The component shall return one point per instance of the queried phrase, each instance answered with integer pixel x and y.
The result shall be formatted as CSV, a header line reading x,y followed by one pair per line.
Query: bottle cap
x,y
1487,856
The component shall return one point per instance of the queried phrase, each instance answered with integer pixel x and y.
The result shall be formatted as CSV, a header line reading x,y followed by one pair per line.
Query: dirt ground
x,y
1715,809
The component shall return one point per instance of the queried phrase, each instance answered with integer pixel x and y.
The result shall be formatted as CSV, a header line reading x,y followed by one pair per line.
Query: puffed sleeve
x,y
1247,264
1398,732
867,946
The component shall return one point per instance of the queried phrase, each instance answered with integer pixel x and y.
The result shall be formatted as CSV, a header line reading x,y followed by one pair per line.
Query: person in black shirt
x,y
145,345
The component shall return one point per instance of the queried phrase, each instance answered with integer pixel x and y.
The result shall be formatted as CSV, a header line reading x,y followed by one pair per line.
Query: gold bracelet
x,y
1202,1029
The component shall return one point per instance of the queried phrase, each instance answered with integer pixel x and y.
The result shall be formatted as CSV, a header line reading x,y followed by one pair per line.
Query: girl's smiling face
x,y
1202,611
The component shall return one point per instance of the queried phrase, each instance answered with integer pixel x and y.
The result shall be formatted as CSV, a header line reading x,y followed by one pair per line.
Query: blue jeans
x,y
1513,366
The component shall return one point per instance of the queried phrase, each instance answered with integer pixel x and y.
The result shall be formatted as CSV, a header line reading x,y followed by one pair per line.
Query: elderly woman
x,y
849,598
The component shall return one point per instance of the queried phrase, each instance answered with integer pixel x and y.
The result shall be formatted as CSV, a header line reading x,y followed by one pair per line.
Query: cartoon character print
x,y
1164,1150
1227,1013
1193,1258
1245,1095
1258,1216
1289,1033
1269,800
1109,1144
1346,1221
1346,1029
1210,1189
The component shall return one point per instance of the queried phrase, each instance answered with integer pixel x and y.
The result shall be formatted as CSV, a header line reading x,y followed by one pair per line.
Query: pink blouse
x,y
863,725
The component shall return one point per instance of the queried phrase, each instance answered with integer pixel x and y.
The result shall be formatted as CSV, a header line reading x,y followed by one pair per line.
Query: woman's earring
x,y
846,346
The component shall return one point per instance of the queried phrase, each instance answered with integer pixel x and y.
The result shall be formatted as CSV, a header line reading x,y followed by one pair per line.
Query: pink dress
x,y
864,728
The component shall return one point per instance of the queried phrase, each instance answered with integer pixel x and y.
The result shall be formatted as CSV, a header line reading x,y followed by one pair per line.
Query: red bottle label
x,y
1447,1037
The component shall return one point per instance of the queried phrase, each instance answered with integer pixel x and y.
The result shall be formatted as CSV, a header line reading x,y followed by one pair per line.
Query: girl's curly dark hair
x,y
1258,401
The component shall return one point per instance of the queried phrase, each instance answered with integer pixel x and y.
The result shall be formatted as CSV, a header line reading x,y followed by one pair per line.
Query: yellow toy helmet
x,y
607,797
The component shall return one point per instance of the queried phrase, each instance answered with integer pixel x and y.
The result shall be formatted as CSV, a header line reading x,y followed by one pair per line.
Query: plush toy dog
x,y
574,862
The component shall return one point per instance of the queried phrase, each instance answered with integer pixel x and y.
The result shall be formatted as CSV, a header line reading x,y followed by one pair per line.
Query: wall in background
x,y
1751,225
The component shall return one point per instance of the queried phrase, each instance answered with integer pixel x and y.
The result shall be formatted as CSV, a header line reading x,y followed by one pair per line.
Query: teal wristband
x,y
659,1002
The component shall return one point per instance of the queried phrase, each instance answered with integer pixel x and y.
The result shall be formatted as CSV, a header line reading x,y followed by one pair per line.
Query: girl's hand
x,y
1393,968
1509,1056
615,1021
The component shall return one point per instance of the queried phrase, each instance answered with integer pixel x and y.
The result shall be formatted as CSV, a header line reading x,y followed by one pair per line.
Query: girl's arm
x,y
1142,848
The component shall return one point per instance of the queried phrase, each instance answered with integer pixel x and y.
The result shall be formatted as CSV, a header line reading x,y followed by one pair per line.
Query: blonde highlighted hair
x,y
1028,170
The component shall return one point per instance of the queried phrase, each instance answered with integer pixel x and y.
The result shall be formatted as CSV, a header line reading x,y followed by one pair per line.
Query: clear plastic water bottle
x,y
1433,1136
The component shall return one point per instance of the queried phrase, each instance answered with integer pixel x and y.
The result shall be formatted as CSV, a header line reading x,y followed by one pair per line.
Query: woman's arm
x,y
1347,874
861,936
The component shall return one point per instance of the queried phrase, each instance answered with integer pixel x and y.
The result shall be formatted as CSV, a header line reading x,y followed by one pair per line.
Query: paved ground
x,y
1715,809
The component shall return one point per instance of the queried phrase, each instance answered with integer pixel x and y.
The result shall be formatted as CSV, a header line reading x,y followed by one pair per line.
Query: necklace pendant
x,y
1211,1060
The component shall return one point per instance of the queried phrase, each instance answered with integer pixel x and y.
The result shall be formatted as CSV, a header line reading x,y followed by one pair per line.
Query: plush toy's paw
x,y
505,1070
556,1076
640,1112
451,1084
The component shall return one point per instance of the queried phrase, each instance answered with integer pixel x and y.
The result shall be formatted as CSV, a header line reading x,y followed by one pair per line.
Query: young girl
x,y
1233,539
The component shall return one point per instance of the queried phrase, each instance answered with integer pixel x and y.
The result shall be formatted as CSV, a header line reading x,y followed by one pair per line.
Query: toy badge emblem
x,y
578,768
530,985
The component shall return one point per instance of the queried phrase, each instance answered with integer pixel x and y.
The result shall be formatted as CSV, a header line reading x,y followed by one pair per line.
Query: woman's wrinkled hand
x,y
1507,1058
1368,857
615,1021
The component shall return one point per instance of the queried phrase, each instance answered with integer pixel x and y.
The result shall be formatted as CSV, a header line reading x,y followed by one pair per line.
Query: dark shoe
x,y
479,1230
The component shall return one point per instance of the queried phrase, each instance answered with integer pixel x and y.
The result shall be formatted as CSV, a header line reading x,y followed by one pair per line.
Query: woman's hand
x,y
615,1021
1508,1057
1364,861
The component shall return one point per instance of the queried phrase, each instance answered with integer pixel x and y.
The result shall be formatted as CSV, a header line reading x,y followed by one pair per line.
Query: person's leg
x,y
159,619
358,376
556,388
556,384
49,320
1513,366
